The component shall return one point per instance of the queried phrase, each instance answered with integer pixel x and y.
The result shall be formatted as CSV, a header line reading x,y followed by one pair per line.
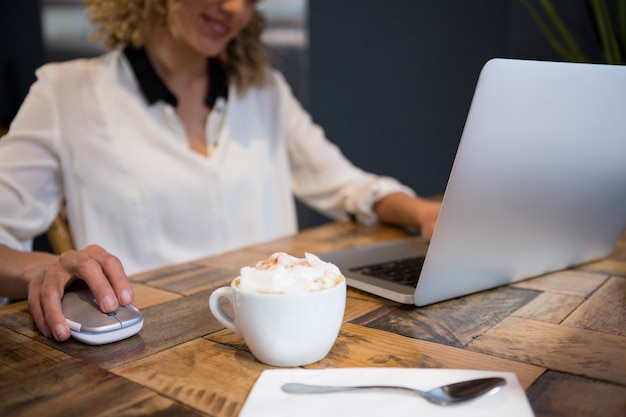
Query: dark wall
x,y
21,52
391,81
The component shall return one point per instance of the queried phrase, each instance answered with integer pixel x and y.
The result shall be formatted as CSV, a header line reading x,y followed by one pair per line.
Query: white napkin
x,y
267,398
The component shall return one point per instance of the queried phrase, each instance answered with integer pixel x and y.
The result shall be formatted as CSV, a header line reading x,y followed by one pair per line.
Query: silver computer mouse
x,y
90,325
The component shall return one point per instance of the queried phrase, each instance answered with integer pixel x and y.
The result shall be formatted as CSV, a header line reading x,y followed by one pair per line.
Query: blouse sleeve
x,y
322,176
30,181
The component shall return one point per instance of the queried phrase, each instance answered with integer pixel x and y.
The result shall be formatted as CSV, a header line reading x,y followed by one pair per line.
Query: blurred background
x,y
390,81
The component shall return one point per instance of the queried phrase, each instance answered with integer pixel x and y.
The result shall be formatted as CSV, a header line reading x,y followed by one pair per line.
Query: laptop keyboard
x,y
401,271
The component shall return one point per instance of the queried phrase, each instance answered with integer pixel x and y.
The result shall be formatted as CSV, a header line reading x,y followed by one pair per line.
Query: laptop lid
x,y
538,182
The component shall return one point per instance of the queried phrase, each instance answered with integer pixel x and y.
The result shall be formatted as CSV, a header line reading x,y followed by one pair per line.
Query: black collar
x,y
154,89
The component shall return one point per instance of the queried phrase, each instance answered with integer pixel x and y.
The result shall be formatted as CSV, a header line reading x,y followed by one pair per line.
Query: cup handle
x,y
219,313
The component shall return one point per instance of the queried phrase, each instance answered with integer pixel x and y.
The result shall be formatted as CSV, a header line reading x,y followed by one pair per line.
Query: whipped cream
x,y
285,274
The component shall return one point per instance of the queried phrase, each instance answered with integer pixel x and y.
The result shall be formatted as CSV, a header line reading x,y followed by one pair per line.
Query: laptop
x,y
538,184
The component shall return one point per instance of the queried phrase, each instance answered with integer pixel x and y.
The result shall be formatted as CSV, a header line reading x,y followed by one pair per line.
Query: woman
x,y
179,143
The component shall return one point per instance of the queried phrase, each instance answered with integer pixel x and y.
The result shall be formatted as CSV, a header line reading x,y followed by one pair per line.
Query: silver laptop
x,y
538,185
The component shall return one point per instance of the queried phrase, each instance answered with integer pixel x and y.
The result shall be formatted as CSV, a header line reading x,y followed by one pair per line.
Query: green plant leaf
x,y
620,12
561,46
562,30
608,42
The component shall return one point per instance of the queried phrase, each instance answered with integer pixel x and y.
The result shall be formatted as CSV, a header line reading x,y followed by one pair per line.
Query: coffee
x,y
285,274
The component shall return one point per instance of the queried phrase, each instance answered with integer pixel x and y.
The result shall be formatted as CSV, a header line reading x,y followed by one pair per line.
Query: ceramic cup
x,y
283,329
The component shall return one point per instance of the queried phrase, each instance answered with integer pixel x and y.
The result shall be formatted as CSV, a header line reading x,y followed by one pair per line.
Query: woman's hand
x,y
103,273
427,217
404,210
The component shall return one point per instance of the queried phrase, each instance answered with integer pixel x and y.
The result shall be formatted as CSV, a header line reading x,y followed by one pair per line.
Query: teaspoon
x,y
445,395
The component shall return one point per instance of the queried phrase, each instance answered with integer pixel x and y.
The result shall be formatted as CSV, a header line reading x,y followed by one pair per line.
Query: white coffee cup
x,y
283,329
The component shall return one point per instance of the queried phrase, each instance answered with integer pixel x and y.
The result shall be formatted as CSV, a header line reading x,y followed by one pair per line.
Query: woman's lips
x,y
216,26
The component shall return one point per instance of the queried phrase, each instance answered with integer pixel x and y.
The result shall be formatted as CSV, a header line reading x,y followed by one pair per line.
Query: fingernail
x,y
126,297
108,304
60,332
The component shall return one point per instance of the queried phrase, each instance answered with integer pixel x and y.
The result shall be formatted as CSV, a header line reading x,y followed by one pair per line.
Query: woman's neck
x,y
173,60
185,73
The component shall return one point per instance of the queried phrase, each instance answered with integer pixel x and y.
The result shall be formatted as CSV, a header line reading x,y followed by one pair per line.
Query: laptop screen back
x,y
539,179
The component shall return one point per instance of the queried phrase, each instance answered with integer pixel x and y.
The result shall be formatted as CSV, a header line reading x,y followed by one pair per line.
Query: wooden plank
x,y
186,279
356,294
565,282
20,357
604,311
557,394
359,346
17,317
209,377
194,283
330,237
167,271
549,307
454,322
13,307
566,349
606,266
359,304
70,388
156,406
234,261
619,252
146,296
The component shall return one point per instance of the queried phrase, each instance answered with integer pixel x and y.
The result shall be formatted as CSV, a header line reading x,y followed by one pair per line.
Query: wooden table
x,y
563,334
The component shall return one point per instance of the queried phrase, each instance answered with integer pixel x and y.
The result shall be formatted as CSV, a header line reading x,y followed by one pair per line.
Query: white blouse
x,y
86,136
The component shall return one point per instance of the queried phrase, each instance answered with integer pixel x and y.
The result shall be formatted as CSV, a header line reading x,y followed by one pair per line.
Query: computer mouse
x,y
90,325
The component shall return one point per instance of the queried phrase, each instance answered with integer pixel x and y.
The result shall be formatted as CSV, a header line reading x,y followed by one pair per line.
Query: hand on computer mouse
x,y
101,271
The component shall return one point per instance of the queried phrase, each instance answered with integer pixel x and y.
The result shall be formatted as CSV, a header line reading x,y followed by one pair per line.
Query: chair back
x,y
59,235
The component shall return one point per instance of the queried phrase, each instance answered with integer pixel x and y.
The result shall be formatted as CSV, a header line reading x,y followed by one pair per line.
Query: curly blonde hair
x,y
130,22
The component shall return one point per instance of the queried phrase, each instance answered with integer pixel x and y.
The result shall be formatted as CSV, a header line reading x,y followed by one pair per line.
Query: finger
x,y
82,265
54,316
51,292
34,305
427,232
114,271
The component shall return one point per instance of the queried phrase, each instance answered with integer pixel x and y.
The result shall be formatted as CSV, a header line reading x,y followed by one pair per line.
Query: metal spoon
x,y
445,395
